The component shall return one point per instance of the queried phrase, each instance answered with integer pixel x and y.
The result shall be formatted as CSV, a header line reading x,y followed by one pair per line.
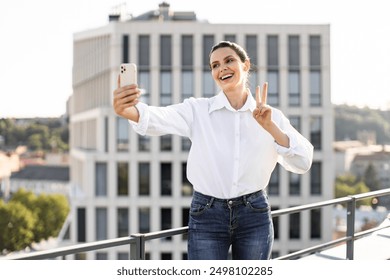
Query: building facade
x,y
124,183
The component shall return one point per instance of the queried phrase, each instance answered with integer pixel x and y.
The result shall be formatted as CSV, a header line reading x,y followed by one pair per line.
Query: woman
x,y
236,143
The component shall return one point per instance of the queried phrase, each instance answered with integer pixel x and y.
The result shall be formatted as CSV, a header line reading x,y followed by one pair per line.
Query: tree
x,y
53,210
37,134
350,119
35,142
17,226
371,178
350,185
48,211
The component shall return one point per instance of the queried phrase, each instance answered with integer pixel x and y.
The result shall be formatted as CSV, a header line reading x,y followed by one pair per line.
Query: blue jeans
x,y
244,223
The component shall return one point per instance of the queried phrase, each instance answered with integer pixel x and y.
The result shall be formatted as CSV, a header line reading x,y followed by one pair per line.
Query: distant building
x,y
345,152
9,162
379,160
42,179
126,183
354,157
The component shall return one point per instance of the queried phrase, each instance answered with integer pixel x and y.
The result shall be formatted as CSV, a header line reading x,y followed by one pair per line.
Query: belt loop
x,y
244,198
210,202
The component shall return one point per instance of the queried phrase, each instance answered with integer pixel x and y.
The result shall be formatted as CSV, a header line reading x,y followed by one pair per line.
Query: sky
x,y
36,38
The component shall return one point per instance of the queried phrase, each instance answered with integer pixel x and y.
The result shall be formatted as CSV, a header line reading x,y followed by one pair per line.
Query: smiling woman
x,y
236,142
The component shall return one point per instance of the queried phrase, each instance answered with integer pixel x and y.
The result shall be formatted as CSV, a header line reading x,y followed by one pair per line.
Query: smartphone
x,y
128,74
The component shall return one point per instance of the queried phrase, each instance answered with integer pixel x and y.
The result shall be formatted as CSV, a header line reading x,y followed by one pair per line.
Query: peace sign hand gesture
x,y
263,112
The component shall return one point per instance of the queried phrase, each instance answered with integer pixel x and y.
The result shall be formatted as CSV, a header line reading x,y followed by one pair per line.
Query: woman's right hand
x,y
125,99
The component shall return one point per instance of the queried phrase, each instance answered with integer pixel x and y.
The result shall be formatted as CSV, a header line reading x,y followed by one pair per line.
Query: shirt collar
x,y
220,101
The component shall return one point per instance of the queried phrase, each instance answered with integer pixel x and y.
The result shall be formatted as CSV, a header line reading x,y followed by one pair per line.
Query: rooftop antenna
x,y
118,13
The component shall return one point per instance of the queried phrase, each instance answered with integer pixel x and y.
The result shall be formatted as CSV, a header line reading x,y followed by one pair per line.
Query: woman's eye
x,y
214,66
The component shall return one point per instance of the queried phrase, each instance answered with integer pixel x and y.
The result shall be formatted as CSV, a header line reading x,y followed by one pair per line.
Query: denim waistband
x,y
229,201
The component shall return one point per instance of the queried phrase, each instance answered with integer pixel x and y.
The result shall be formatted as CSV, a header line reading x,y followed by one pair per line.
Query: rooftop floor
x,y
375,246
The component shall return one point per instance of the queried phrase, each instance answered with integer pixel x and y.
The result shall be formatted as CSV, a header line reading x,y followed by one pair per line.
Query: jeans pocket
x,y
198,207
259,204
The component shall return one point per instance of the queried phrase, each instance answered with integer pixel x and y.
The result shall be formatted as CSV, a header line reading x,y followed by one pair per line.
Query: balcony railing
x,y
137,241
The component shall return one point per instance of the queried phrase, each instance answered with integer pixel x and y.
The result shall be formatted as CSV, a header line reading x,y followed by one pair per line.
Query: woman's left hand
x,y
263,112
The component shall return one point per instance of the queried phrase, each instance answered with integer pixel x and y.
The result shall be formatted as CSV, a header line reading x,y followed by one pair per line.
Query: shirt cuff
x,y
143,121
290,151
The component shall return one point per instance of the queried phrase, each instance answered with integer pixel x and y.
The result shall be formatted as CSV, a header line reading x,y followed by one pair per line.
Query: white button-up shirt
x,y
231,154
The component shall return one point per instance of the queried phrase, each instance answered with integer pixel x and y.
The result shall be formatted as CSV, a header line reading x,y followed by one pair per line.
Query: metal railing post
x,y
137,250
351,207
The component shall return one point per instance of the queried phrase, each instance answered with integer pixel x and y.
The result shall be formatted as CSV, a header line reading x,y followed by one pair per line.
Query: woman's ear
x,y
247,65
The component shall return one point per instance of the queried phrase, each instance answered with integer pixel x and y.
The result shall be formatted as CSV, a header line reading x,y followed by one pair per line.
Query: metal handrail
x,y
137,241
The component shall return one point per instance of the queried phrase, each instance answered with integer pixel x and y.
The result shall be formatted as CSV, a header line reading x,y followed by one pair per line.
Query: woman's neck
x,y
237,97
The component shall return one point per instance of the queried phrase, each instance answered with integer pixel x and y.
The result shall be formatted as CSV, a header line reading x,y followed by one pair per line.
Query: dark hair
x,y
235,47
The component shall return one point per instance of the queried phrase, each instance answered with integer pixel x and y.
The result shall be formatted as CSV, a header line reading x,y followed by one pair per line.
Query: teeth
x,y
226,76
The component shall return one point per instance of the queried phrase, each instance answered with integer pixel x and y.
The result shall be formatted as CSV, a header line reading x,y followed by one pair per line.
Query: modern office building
x,y
124,183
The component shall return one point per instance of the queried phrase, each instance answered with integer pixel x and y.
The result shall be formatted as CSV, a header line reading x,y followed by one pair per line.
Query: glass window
x,y
143,52
187,52
315,223
123,178
187,84
166,143
144,178
295,121
186,189
315,72
166,178
294,88
251,48
315,88
230,37
144,84
315,178
81,225
185,144
208,43
125,49
101,179
101,223
315,132
122,134
166,51
252,81
166,88
144,219
166,256
123,256
166,219
315,51
208,84
273,88
273,187
123,222
295,183
272,51
101,256
144,143
295,224
293,52
106,134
